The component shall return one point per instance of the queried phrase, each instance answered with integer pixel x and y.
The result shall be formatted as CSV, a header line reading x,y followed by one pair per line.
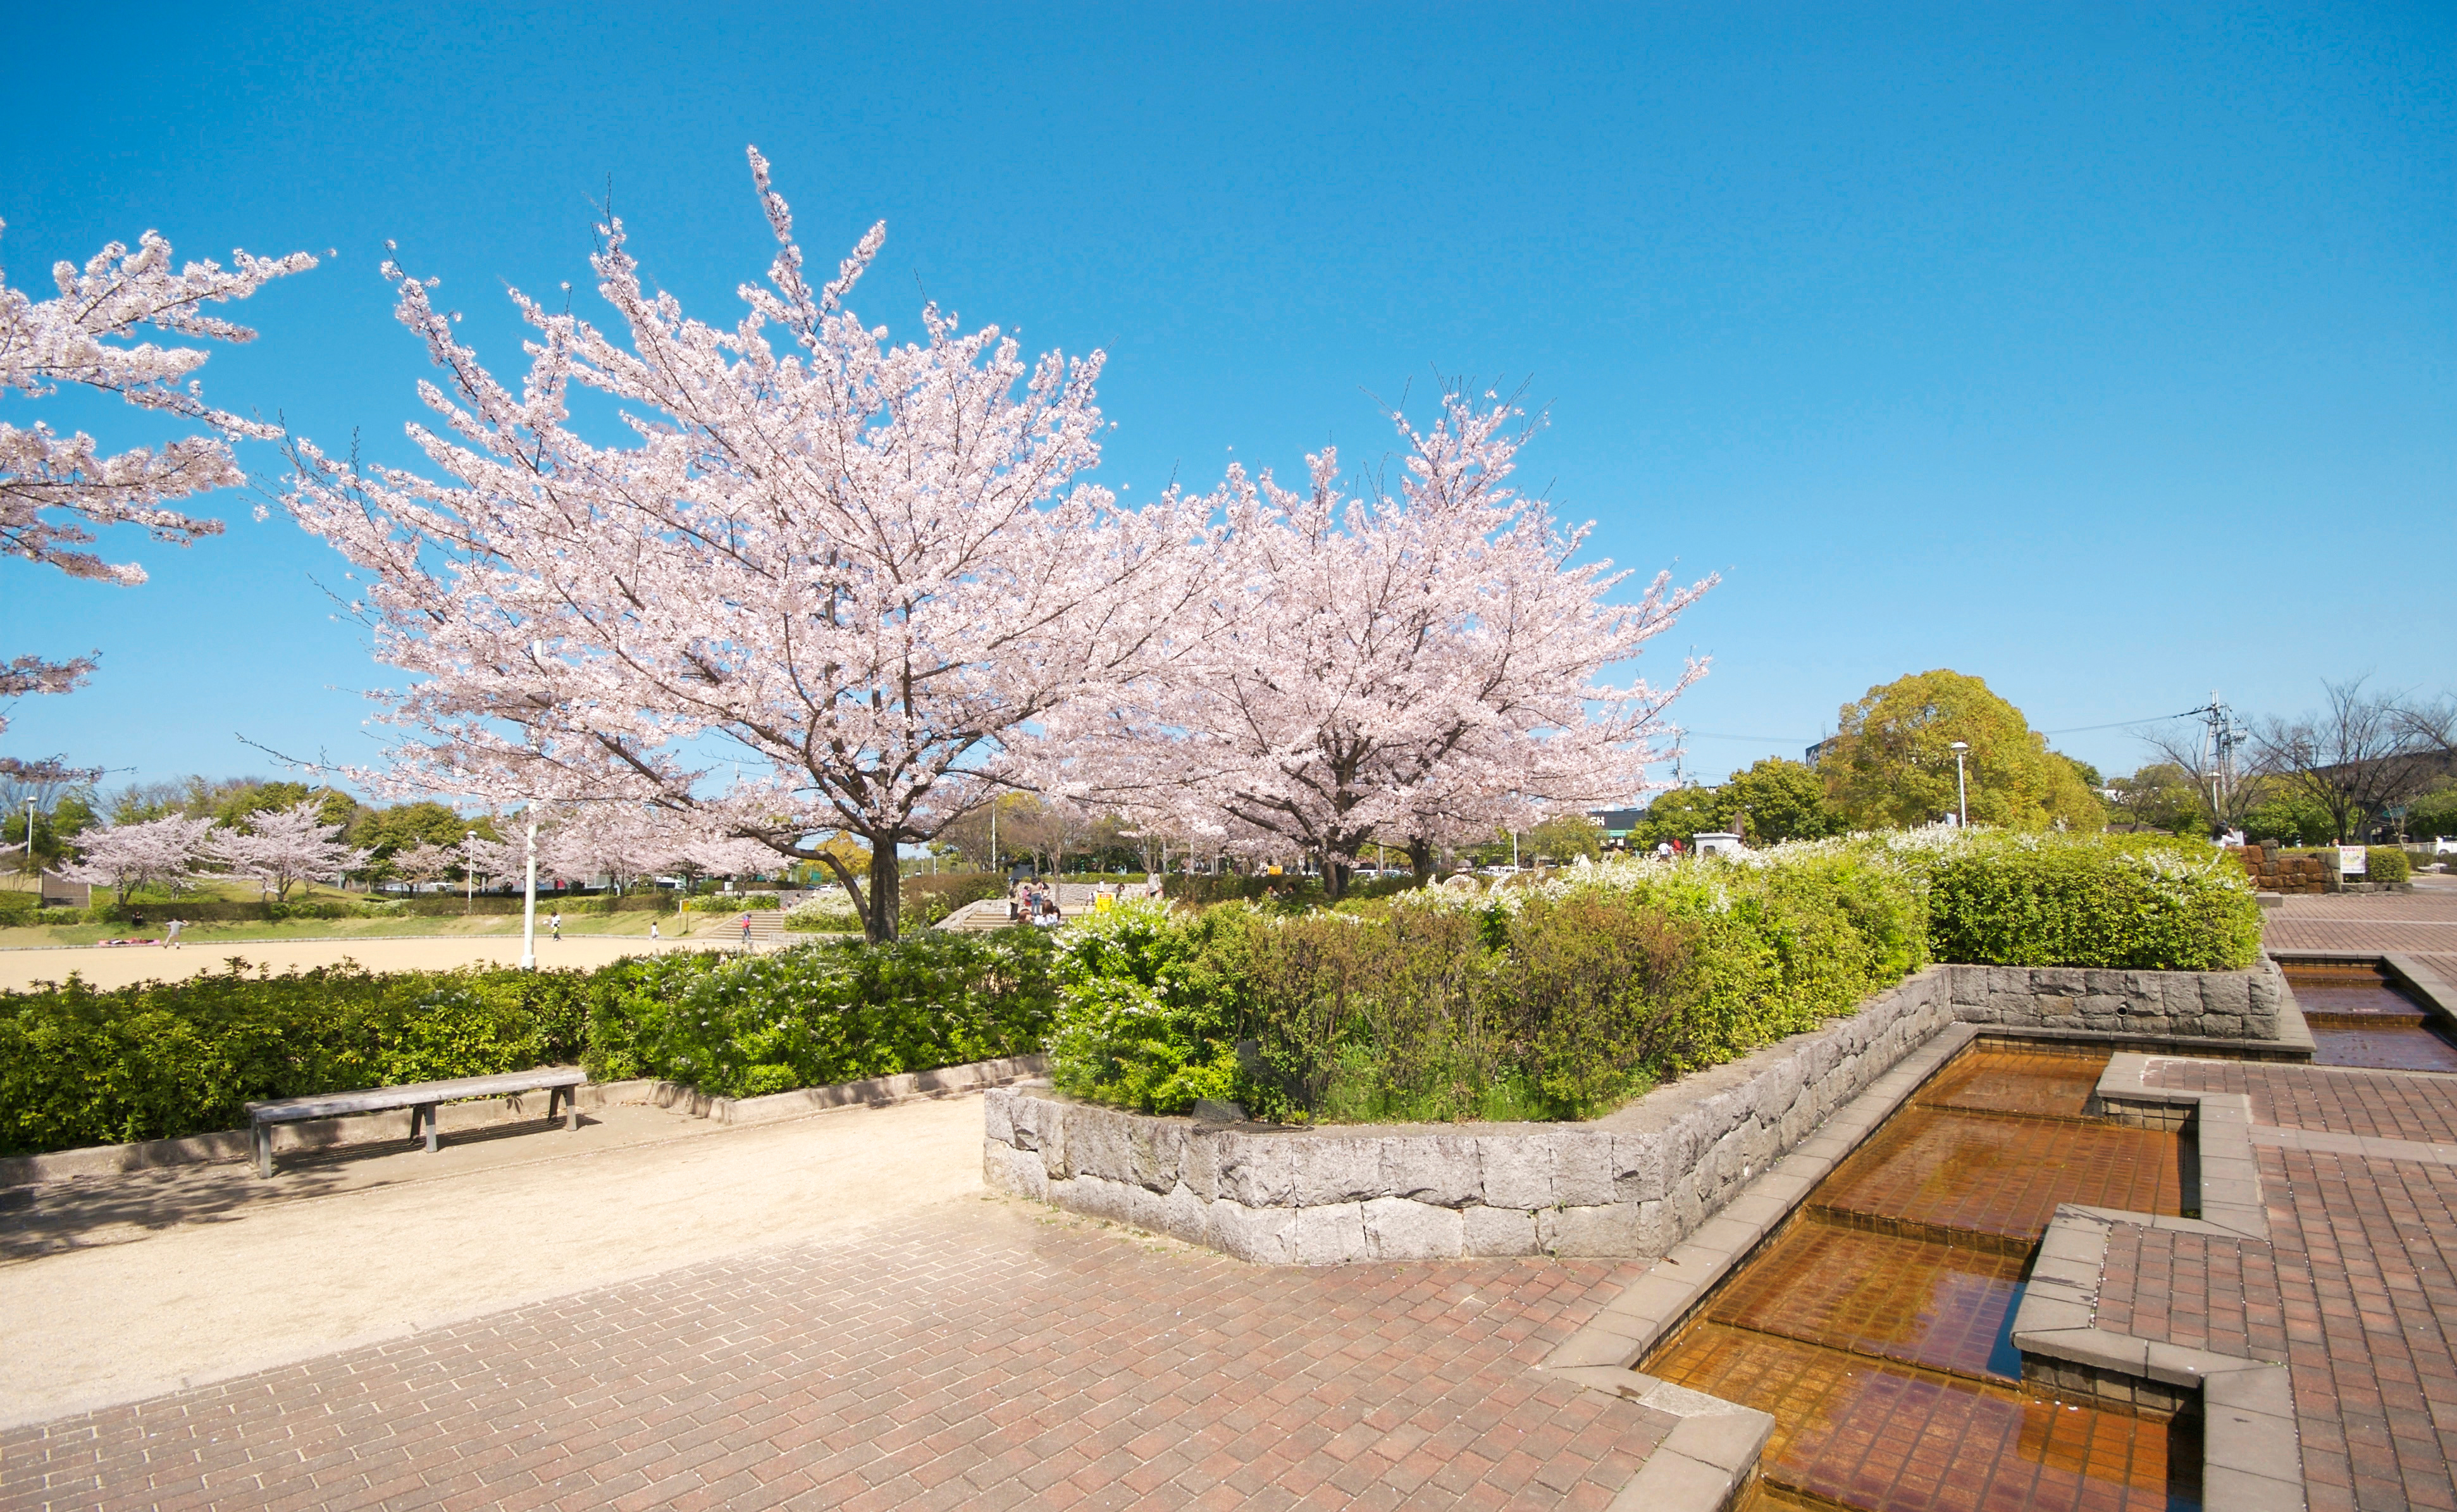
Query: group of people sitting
x,y
1032,902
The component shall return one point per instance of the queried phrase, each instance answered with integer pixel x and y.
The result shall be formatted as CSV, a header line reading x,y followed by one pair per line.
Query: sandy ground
x,y
125,1288
119,966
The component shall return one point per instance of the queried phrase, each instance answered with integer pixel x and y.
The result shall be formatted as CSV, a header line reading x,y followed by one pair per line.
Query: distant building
x,y
1617,824
1819,750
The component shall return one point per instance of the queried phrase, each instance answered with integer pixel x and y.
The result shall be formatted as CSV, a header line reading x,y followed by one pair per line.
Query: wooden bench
x,y
562,1085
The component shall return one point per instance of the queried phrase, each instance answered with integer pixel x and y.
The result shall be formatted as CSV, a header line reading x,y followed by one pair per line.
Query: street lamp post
x,y
528,898
1961,787
469,872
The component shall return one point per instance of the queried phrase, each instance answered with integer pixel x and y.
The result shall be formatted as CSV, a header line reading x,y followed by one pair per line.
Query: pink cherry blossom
x,y
854,570
56,490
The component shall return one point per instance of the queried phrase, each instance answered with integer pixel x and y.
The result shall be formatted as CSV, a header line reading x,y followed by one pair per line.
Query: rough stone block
x,y
1146,1209
1200,1169
1256,1234
1258,1171
1637,1168
1335,1168
1497,1231
1185,1216
1615,1229
998,1114
1155,1151
2228,993
1517,1171
1397,1229
1333,1234
1439,1169
1583,1168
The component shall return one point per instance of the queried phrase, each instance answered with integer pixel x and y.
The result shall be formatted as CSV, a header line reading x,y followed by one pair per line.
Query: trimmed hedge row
x,y
82,1065
1564,997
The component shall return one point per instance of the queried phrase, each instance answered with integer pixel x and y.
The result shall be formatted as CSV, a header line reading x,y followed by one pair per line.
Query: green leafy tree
x,y
2161,796
1891,765
1679,813
1564,836
2289,816
1777,801
2434,814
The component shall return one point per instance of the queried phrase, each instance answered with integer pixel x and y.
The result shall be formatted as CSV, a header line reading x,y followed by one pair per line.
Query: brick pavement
x,y
2354,1290
2339,1098
2423,923
984,1355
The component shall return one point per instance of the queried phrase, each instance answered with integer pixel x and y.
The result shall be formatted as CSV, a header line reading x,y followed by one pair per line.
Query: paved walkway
x,y
2421,923
2353,1290
983,1355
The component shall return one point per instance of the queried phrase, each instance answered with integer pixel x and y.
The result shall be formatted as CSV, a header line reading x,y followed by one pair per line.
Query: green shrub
x,y
730,902
19,908
812,1015
80,1066
2386,863
2131,902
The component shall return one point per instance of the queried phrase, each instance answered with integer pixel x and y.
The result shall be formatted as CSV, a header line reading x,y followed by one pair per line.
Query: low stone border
x,y
1635,1183
878,1091
1645,1312
2184,1005
375,1129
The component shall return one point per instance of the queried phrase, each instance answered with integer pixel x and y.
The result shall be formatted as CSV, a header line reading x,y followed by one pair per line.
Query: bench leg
x,y
264,1149
431,1109
570,1096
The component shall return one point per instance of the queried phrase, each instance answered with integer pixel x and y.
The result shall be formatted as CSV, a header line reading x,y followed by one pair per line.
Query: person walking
x,y
652,930
746,929
554,924
171,934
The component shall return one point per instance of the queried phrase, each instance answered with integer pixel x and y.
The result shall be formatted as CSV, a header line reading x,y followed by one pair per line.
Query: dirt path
x,y
120,966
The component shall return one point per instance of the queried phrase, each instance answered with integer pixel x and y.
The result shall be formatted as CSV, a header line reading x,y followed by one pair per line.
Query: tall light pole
x,y
1961,787
469,872
528,896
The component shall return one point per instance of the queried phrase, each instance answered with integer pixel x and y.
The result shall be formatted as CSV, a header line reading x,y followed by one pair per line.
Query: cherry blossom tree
x,y
284,847
56,490
492,862
861,570
1411,666
426,861
620,842
126,856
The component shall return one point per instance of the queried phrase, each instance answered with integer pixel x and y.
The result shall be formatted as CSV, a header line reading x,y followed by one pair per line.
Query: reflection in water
x,y
2359,1017
1876,1328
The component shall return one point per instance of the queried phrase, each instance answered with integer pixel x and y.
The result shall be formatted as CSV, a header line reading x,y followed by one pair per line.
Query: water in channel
x,y
2360,1017
1876,1326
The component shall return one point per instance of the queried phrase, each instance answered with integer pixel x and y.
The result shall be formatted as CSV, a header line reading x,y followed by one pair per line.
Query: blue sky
x,y
2104,354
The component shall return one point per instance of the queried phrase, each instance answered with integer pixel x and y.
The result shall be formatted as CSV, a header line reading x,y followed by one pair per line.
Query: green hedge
x,y
2386,863
1563,998
731,903
2131,901
817,1014
84,1066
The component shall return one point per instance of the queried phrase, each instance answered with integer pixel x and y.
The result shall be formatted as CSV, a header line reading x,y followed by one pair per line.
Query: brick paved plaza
x,y
988,1353
989,1356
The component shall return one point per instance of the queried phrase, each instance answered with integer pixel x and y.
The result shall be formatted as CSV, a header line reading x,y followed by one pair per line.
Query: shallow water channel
x,y
2360,1017
1875,1327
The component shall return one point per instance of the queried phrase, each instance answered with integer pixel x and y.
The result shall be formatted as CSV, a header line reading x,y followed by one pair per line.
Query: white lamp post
x,y
528,899
1961,787
469,872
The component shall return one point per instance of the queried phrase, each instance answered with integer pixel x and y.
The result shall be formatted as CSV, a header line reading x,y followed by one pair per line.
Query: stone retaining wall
x,y
1634,1184
2177,1005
